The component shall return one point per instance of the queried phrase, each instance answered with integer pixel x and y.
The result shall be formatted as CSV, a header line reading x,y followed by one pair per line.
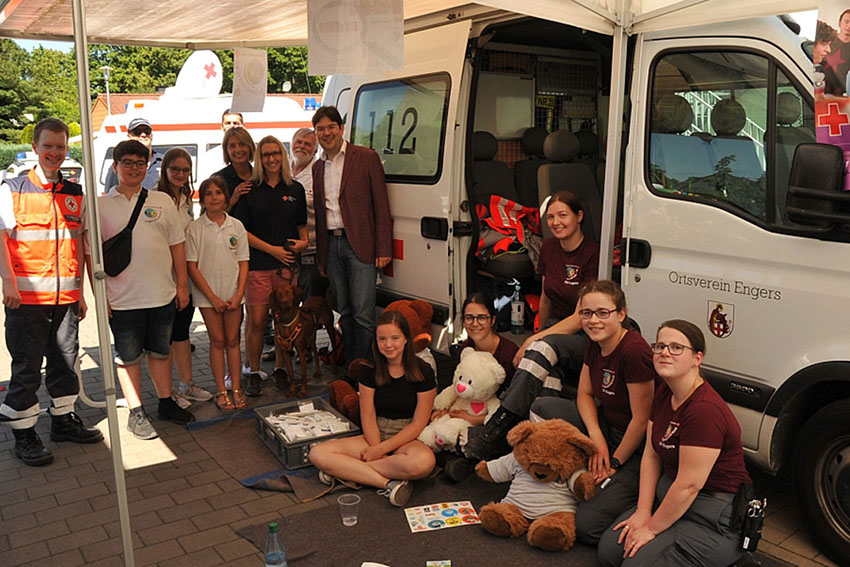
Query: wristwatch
x,y
615,464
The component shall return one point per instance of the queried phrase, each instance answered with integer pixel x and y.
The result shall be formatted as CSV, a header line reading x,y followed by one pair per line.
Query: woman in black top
x,y
274,214
395,404
238,149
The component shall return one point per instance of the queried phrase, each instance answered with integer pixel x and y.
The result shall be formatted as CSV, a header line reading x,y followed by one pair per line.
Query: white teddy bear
x,y
476,381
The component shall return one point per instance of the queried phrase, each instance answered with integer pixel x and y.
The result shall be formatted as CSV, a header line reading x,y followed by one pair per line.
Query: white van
x,y
712,119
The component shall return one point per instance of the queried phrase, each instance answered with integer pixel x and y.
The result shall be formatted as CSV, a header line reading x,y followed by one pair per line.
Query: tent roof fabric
x,y
275,23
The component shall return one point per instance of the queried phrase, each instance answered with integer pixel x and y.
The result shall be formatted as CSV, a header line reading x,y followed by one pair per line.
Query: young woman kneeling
x,y
692,467
395,405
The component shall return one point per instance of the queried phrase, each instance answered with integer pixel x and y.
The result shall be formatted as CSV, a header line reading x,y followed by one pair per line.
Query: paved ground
x,y
185,509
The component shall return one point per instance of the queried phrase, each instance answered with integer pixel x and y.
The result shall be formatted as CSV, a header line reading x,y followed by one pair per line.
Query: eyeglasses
x,y
673,348
470,319
141,131
267,155
180,170
134,163
600,313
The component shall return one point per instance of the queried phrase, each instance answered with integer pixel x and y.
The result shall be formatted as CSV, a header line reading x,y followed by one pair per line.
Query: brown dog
x,y
295,327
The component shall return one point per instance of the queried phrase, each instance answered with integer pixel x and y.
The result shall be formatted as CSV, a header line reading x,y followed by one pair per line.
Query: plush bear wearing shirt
x,y
548,478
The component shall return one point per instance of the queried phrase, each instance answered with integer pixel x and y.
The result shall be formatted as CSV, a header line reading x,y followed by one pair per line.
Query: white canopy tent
x,y
276,23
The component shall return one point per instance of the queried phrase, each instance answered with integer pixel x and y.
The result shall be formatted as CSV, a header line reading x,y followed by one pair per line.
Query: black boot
x,y
491,443
458,468
29,449
69,427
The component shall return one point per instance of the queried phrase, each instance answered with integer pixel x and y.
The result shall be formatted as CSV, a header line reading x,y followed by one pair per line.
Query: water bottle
x,y
275,552
517,312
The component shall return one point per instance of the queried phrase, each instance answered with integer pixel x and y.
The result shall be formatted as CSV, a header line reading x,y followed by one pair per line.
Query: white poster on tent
x,y
250,83
355,36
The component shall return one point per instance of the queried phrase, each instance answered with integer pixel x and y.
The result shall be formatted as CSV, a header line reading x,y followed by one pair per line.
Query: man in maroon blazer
x,y
353,230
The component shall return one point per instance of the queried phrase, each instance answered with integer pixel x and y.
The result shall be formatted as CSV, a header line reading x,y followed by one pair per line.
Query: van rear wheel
x,y
822,477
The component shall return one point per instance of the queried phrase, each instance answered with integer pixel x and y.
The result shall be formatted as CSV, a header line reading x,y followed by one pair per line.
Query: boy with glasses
x,y
144,297
140,130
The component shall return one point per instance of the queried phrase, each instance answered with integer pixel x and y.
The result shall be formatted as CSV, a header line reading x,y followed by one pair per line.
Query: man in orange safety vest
x,y
42,220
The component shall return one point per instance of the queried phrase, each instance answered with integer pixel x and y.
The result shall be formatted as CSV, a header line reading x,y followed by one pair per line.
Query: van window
x,y
405,122
708,123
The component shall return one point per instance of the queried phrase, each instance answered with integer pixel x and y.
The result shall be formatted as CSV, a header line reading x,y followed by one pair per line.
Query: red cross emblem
x,y
210,69
834,118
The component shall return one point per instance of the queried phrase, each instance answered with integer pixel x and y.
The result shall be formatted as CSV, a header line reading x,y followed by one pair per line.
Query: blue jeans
x,y
354,284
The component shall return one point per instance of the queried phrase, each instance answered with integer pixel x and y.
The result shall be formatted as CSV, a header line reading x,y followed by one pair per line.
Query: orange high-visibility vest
x,y
43,245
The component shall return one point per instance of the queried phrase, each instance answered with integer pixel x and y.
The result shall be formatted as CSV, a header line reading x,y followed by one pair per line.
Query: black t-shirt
x,y
230,176
272,214
397,399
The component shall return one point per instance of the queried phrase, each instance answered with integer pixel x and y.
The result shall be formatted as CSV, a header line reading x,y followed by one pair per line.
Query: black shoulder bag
x,y
117,250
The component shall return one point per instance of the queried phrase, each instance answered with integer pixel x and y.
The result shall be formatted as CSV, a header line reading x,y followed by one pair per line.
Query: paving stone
x,y
71,558
208,477
151,504
219,517
203,557
267,504
231,498
98,489
23,554
40,533
66,485
167,487
181,511
197,493
207,538
167,531
92,519
78,472
235,550
152,554
78,538
28,507
102,549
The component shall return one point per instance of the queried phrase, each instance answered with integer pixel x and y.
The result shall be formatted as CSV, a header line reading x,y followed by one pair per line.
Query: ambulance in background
x,y
188,115
713,117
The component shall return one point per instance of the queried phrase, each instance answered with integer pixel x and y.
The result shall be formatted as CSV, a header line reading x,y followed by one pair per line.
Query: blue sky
x,y
29,44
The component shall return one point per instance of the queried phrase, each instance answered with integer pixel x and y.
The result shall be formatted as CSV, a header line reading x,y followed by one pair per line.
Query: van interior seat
x,y
672,154
728,118
788,137
525,171
588,152
564,174
490,177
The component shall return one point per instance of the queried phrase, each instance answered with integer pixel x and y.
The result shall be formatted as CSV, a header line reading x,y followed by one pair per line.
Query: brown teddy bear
x,y
548,477
342,395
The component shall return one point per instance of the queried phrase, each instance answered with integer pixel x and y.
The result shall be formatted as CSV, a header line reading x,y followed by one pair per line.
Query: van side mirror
x,y
816,196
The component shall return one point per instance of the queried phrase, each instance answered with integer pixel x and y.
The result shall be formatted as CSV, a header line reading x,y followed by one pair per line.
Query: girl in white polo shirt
x,y
217,258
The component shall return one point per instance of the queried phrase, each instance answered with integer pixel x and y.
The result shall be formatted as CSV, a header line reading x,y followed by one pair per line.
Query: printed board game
x,y
443,515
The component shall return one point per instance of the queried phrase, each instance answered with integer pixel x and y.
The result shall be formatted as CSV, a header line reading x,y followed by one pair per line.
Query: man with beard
x,y
303,150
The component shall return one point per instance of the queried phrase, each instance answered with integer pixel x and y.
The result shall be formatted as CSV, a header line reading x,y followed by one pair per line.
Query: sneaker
x,y
458,469
140,426
194,392
254,388
30,449
281,380
246,371
170,411
398,492
179,400
228,383
329,480
69,427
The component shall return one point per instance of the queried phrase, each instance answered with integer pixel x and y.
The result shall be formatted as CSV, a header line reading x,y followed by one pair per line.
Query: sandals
x,y
223,401
239,400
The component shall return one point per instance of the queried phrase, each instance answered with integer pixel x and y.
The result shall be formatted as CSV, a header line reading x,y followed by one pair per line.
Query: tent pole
x,y
613,148
99,279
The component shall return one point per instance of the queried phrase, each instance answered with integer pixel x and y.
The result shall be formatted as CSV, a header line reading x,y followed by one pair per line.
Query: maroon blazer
x,y
363,203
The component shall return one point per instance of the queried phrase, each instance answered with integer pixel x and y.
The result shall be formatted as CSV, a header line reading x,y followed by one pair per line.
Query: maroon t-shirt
x,y
704,420
566,272
630,362
504,355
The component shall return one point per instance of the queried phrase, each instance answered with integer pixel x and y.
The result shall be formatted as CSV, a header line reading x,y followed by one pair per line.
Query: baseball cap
x,y
136,122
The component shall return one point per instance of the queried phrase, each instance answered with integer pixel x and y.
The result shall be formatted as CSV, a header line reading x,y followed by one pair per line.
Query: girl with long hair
x,y
396,397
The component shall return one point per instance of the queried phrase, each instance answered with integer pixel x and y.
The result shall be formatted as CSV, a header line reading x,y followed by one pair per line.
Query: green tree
x,y
17,95
290,64
53,75
135,69
26,133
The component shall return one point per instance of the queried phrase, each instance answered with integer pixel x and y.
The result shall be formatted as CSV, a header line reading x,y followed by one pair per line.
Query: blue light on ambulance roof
x,y
310,104
21,155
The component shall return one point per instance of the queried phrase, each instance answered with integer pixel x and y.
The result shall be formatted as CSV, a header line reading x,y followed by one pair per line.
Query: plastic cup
x,y
348,506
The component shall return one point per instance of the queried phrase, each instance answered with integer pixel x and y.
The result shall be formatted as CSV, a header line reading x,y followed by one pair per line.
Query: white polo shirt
x,y
218,251
333,181
305,178
149,280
